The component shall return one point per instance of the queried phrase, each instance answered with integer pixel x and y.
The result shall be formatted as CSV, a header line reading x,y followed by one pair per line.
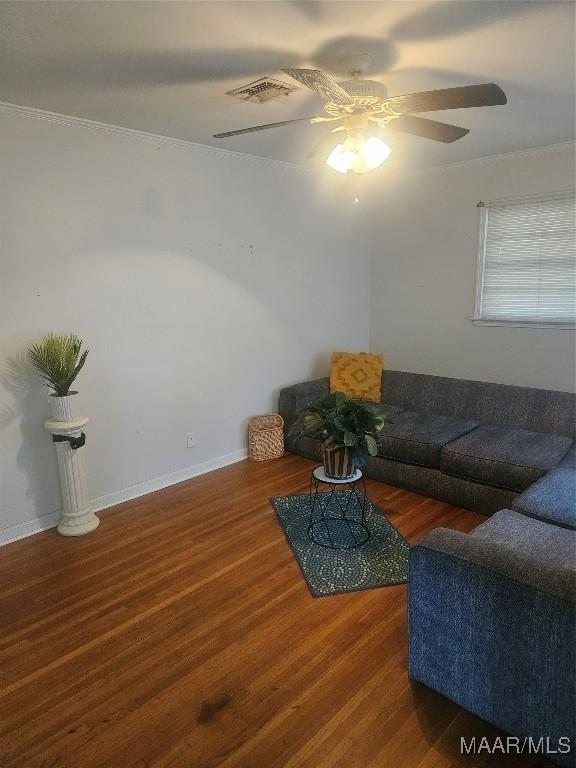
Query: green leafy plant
x,y
58,359
340,423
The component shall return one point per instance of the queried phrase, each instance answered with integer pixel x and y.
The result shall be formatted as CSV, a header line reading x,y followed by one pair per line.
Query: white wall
x,y
424,269
202,281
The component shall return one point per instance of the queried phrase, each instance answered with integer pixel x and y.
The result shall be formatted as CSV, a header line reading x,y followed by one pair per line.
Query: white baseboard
x,y
149,486
22,530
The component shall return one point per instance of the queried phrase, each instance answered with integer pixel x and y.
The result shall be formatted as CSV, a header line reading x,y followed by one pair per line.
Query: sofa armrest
x,y
296,397
287,407
505,560
491,635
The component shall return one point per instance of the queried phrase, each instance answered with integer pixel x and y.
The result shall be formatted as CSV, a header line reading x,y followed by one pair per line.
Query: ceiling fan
x,y
361,108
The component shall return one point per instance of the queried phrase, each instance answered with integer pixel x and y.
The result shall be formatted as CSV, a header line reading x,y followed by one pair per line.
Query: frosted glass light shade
x,y
358,155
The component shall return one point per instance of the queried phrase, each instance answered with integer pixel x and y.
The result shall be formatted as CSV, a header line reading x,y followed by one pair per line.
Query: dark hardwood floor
x,y
182,634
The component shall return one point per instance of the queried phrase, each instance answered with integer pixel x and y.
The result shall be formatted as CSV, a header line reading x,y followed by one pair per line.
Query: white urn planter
x,y
64,408
67,433
58,359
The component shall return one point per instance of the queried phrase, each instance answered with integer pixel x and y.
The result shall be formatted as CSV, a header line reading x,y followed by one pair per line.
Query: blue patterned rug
x,y
381,562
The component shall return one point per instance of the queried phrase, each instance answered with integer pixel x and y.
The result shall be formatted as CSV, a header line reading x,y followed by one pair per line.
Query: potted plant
x,y
348,430
58,359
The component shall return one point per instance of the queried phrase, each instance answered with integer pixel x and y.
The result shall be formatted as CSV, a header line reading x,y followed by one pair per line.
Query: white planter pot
x,y
64,408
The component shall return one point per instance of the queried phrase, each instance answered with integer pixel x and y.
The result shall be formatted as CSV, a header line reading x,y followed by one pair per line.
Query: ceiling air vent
x,y
263,90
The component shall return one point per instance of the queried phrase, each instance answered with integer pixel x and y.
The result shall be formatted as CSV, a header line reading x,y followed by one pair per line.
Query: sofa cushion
x,y
388,411
549,547
502,456
569,458
417,438
552,498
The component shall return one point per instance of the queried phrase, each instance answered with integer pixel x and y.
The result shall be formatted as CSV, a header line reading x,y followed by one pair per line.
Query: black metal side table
x,y
338,517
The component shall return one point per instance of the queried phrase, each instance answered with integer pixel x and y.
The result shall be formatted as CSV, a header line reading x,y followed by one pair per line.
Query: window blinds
x,y
527,261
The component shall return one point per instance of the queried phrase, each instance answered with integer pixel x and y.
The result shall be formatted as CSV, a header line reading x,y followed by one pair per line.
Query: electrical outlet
x,y
191,440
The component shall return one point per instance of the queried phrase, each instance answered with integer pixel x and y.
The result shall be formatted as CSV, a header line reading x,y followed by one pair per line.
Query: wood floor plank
x,y
181,634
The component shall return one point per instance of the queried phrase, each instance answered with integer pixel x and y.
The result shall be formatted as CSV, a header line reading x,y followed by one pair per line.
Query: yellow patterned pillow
x,y
357,375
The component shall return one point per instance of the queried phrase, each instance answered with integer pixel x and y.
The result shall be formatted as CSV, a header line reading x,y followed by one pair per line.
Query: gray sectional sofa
x,y
492,613
470,443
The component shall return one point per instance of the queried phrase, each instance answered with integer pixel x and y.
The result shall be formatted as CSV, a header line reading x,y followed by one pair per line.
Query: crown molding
x,y
72,121
156,138
486,159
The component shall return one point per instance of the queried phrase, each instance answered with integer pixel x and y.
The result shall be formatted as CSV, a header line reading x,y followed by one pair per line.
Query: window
x,y
527,262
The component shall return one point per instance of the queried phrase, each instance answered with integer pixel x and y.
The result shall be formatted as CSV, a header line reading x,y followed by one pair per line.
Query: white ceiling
x,y
165,67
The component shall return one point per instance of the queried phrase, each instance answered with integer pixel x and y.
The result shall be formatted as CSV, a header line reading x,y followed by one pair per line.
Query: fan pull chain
x,y
356,198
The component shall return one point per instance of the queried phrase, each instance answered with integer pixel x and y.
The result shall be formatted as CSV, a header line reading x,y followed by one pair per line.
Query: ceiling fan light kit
x,y
358,155
360,107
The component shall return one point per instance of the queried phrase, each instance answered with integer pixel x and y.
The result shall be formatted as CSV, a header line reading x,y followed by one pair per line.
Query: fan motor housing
x,y
362,89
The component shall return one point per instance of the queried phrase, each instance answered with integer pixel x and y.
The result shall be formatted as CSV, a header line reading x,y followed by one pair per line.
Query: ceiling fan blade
x,y
485,95
326,144
320,82
427,129
262,127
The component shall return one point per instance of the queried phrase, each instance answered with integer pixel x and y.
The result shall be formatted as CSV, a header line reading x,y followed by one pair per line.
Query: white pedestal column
x,y
77,517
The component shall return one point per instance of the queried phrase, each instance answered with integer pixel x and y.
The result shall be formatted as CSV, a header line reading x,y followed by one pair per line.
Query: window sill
x,y
523,324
